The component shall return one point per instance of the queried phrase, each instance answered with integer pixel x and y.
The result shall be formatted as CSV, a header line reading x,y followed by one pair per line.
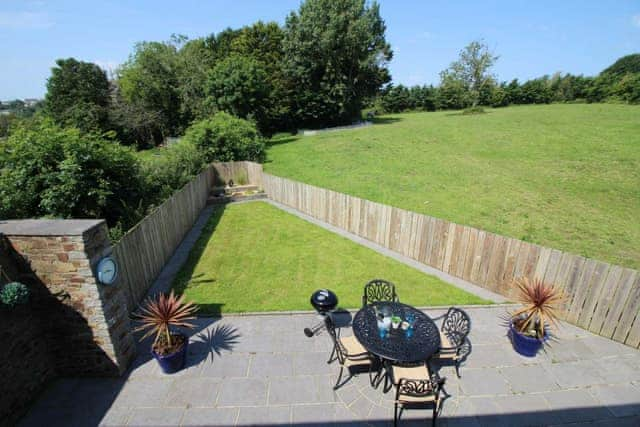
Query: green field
x,y
563,176
256,257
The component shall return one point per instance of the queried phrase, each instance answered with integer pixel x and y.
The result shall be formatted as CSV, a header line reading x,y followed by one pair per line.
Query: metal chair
x,y
349,353
416,386
454,331
379,290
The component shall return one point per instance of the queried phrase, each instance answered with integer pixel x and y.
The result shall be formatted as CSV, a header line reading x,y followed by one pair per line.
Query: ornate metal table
x,y
396,346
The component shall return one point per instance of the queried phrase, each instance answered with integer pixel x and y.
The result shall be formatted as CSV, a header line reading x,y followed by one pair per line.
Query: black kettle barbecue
x,y
324,302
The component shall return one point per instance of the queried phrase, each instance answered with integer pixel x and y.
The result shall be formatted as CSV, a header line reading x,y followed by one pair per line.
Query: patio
x,y
262,370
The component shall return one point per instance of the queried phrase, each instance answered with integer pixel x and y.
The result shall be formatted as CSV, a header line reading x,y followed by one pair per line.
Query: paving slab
x,y
261,415
241,372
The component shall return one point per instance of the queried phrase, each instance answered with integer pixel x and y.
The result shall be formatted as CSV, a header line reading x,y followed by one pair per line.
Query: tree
x,y
335,56
196,60
133,124
263,42
78,95
537,91
239,85
471,70
150,81
514,92
453,93
618,82
396,99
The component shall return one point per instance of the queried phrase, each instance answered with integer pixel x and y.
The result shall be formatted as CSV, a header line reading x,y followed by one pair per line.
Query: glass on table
x,y
382,329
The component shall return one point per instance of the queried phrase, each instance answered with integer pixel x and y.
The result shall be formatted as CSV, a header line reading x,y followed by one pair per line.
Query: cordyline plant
x,y
159,314
541,303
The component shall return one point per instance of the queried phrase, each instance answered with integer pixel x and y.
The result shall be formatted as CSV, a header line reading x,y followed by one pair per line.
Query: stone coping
x,y
48,227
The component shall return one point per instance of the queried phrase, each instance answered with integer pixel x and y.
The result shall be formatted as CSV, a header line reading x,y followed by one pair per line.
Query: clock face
x,y
107,271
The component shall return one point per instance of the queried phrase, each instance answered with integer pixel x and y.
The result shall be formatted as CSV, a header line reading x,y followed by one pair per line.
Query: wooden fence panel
x,y
629,314
470,254
596,282
606,297
496,263
144,250
618,303
601,297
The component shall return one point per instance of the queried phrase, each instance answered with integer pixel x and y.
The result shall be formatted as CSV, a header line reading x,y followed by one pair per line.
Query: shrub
x,y
46,170
171,170
14,293
226,138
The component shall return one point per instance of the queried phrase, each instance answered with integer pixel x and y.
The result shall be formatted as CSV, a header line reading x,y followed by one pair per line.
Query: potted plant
x,y
14,294
529,326
158,317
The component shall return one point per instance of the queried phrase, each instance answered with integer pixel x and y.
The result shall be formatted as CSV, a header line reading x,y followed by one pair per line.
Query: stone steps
x,y
223,195
229,191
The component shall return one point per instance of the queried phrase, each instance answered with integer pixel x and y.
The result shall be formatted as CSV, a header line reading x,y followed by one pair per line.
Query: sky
x,y
531,38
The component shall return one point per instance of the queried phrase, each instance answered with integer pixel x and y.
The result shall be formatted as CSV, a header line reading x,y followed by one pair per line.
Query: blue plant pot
x,y
173,362
523,344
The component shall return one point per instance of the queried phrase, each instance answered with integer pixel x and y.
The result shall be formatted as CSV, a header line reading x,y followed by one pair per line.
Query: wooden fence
x,y
145,249
603,298
240,172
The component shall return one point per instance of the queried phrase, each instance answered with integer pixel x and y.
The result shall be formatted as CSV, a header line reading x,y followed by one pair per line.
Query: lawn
x,y
562,176
256,257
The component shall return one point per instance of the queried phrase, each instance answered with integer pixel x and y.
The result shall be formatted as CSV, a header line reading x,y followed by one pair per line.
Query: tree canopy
x,y
471,70
78,95
150,80
335,55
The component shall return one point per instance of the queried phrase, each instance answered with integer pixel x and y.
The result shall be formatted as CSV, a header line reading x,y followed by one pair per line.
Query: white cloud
x,y
635,19
25,20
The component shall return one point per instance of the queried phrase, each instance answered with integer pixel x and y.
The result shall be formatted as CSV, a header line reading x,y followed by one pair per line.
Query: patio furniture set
x,y
398,344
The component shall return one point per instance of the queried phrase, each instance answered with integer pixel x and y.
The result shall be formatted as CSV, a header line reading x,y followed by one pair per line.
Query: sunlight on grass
x,y
562,176
256,257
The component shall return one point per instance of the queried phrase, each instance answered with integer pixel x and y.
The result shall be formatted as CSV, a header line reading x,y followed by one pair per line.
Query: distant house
x,y
30,102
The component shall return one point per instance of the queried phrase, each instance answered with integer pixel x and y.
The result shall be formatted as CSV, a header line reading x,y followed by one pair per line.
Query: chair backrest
x,y
417,388
456,326
379,290
331,329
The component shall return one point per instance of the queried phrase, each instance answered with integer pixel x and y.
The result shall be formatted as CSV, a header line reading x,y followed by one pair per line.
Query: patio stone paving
x,y
262,370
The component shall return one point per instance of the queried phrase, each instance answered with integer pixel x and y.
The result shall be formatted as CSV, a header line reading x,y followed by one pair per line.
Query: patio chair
x,y
416,387
455,345
379,290
349,353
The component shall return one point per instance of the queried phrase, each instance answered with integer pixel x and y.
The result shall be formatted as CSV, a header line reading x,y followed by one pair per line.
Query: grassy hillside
x,y
563,176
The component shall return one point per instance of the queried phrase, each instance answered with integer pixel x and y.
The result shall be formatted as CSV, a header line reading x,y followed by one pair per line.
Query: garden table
x,y
397,347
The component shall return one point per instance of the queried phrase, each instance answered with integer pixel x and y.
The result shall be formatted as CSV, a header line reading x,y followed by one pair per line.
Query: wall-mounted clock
x,y
107,271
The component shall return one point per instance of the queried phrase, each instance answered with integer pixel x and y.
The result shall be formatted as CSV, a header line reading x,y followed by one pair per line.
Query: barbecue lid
x,y
324,300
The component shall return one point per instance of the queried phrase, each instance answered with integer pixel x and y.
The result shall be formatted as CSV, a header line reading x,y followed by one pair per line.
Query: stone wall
x,y
25,362
89,331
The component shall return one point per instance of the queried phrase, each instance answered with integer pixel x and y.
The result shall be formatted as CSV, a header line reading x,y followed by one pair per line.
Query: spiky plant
x,y
541,303
160,313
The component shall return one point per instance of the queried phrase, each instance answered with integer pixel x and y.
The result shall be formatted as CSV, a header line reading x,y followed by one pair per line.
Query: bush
x,y
14,293
46,170
226,138
171,170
